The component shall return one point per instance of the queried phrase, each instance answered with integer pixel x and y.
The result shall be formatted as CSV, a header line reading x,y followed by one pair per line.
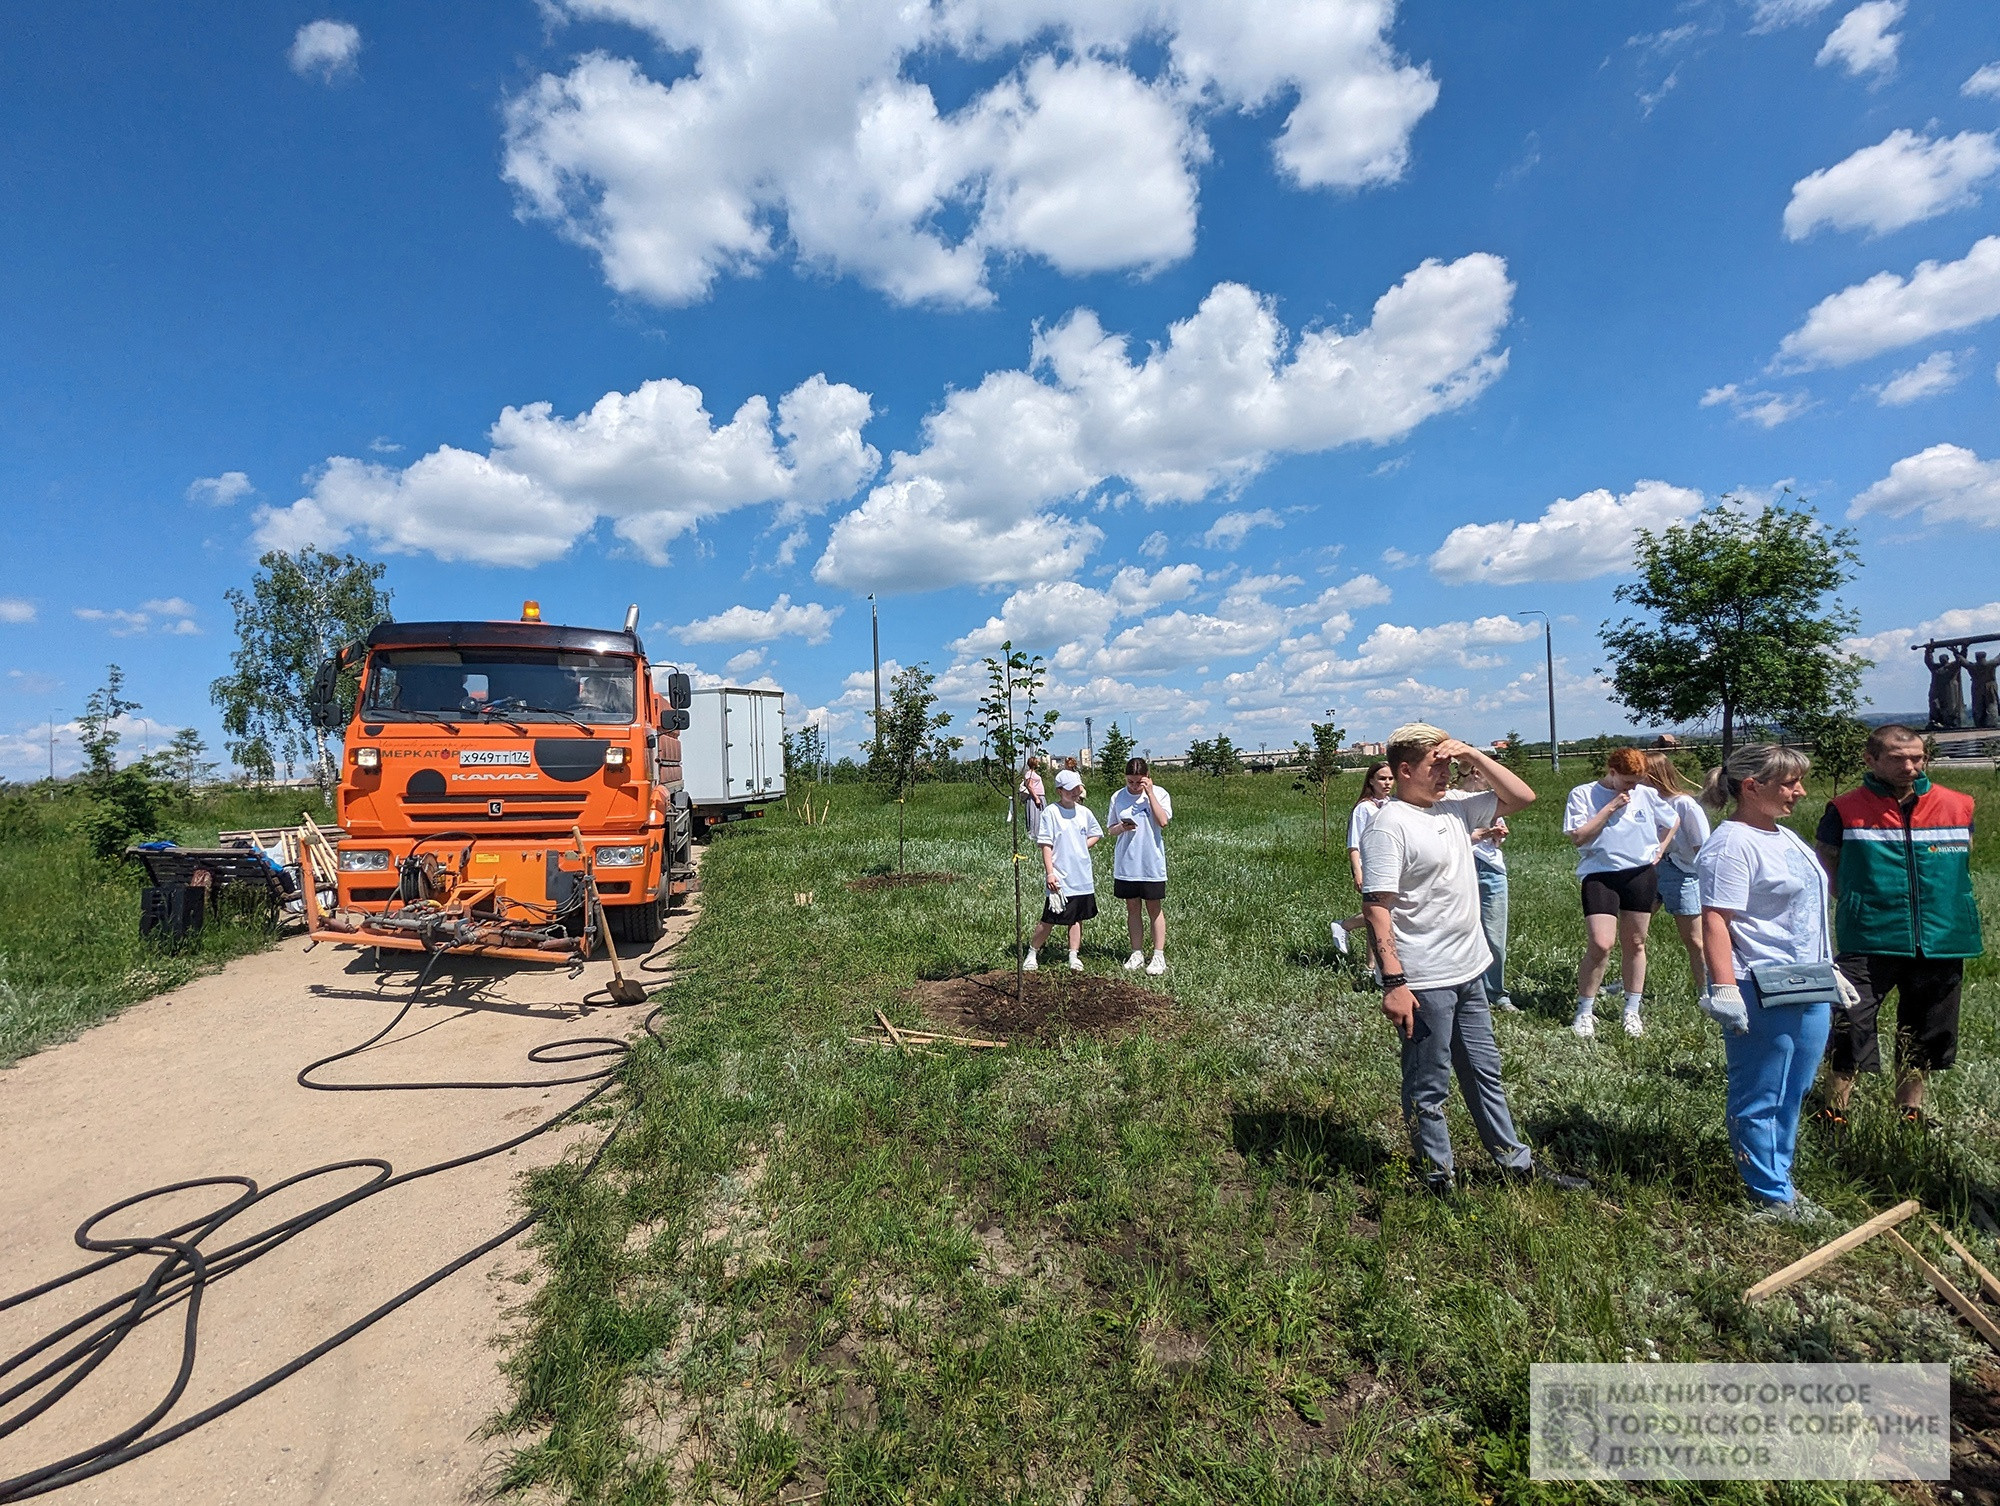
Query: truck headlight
x,y
363,860
368,759
614,757
620,857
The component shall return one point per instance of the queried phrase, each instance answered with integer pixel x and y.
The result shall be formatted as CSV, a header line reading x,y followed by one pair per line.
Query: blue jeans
x,y
1453,1033
1769,1071
1493,921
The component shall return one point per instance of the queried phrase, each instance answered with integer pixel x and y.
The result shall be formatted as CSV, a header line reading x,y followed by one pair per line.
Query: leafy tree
x,y
806,753
1514,753
1740,623
910,740
1015,731
1838,743
185,764
1218,757
300,609
1200,755
1319,767
1116,750
124,803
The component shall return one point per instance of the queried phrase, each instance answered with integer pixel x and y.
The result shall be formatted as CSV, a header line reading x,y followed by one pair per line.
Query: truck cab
x,y
488,745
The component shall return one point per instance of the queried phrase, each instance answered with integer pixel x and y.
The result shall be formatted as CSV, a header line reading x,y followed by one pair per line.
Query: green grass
x,y
1191,1266
70,953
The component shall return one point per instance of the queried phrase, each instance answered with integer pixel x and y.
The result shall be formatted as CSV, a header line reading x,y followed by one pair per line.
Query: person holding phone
x,y
1619,826
1138,819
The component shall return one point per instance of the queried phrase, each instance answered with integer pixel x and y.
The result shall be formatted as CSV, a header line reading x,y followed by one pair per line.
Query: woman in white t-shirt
x,y
1377,785
1138,819
1619,827
1764,917
1680,890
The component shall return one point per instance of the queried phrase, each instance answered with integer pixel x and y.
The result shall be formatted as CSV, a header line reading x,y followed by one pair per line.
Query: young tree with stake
x,y
911,739
1014,733
1319,767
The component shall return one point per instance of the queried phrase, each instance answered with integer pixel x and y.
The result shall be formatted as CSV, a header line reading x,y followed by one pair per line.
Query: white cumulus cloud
x,y
1765,409
1935,373
652,461
15,609
225,490
1862,42
1204,411
781,619
1773,15
325,48
1888,312
1904,178
797,124
1947,483
1983,84
1232,528
171,615
1576,538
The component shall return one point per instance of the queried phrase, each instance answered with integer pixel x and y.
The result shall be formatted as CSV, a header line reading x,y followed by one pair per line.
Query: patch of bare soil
x,y
1053,1003
878,881
1975,1445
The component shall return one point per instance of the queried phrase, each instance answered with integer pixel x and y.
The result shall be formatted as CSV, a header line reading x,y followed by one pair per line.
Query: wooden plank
x,y
1831,1251
1989,1284
894,1034
1941,1283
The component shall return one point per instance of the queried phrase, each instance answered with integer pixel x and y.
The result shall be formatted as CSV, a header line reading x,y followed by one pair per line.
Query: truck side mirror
x,y
675,720
323,701
680,692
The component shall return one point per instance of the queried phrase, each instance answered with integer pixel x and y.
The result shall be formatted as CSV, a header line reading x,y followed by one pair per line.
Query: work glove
x,y
1724,1005
1849,994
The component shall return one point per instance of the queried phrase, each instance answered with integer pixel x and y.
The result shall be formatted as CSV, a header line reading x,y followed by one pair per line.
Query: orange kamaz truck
x,y
486,769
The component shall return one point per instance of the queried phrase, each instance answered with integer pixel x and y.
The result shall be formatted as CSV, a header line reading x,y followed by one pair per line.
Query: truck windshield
x,y
514,684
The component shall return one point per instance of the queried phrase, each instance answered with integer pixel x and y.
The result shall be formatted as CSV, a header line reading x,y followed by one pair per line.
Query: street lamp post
x,y
1549,657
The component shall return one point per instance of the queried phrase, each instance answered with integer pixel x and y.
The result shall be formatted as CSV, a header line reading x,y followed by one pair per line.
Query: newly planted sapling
x,y
1015,731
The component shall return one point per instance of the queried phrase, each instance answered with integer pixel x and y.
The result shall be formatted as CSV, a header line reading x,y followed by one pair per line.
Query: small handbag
x,y
1795,984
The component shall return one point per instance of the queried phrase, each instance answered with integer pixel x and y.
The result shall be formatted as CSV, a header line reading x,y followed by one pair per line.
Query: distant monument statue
x,y
1950,665
1985,692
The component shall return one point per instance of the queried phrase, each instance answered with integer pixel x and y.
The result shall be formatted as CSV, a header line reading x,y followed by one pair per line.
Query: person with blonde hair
x,y
1376,788
1680,890
1421,901
1619,826
1772,982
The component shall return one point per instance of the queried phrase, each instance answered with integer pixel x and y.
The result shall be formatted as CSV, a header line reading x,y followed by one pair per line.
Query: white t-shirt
x,y
1423,856
1068,831
1141,855
1357,824
1693,831
1775,888
1630,839
1485,851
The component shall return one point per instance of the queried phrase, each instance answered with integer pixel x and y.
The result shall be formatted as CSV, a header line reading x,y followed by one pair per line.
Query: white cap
x,y
1069,779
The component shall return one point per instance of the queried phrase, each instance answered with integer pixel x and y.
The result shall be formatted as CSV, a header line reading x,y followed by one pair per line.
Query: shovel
x,y
623,990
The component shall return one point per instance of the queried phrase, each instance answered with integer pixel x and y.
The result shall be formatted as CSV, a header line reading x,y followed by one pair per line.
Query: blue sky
x,y
1245,361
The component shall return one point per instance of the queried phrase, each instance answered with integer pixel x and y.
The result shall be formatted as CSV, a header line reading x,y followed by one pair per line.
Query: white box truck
x,y
733,752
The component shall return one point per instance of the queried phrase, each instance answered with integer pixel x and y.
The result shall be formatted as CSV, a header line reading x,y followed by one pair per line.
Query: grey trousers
x,y
1454,1033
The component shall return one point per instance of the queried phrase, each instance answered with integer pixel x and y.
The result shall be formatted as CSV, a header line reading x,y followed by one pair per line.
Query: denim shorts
x,y
1680,891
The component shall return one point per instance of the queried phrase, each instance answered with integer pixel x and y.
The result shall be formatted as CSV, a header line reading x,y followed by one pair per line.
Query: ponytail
x,y
1763,762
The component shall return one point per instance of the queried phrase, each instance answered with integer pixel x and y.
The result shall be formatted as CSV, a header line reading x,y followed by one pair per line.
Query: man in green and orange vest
x,y
1899,853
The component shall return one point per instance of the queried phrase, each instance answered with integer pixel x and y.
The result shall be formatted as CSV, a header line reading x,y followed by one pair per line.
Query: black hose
x,y
183,1269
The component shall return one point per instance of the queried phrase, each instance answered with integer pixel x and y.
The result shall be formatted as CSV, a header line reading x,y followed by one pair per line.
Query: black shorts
x,y
1627,891
1927,994
1076,909
1138,888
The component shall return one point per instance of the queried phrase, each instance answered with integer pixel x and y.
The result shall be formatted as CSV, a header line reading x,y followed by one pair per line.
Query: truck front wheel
x,y
637,925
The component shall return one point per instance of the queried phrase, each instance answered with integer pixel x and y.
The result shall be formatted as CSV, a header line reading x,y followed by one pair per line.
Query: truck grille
x,y
474,818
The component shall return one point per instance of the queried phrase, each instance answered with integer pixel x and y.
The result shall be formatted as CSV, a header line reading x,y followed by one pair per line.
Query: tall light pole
x,y
1549,656
875,629
52,750
1089,744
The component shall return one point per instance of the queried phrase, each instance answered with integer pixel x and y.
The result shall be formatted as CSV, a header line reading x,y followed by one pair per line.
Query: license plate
x,y
486,757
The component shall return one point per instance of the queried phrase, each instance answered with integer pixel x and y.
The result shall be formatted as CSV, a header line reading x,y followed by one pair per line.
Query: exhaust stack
x,y
632,618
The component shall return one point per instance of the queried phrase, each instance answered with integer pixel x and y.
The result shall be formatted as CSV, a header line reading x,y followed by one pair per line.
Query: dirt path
x,y
199,1083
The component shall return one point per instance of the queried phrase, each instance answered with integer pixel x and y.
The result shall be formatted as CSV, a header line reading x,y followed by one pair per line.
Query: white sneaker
x,y
1158,965
1075,963
1134,962
1634,1026
1028,963
1340,937
1585,1026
